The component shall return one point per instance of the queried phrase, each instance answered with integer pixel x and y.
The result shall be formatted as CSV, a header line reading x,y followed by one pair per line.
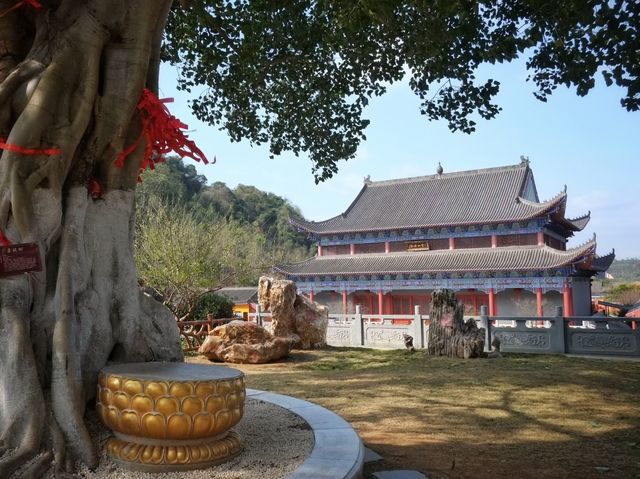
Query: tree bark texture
x,y
71,74
449,335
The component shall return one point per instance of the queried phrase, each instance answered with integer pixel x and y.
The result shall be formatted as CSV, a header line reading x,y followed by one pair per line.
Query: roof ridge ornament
x,y
439,170
564,189
367,180
524,160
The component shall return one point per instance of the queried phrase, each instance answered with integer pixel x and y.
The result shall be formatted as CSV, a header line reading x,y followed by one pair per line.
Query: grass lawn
x,y
518,416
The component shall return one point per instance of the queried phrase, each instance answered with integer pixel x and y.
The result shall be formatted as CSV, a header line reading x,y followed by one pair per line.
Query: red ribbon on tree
x,y
28,151
95,188
162,133
33,3
4,241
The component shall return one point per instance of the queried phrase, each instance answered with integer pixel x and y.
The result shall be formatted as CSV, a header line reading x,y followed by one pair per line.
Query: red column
x,y
452,243
380,302
344,302
352,248
566,300
311,295
539,302
319,250
571,313
492,302
634,324
386,247
494,241
540,238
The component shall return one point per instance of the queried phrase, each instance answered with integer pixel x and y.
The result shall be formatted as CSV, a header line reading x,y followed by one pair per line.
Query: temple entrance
x,y
405,303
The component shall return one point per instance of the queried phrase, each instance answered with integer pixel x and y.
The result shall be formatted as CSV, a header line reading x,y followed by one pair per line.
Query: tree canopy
x,y
79,118
298,74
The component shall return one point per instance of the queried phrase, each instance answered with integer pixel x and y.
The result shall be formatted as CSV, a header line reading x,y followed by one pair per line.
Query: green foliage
x,y
625,269
175,184
211,303
297,74
193,238
625,293
182,256
172,182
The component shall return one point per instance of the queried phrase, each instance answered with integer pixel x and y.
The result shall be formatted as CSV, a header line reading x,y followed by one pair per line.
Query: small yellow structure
x,y
244,299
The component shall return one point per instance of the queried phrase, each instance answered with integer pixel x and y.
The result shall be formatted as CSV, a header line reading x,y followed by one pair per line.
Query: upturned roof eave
x,y
579,223
571,256
602,263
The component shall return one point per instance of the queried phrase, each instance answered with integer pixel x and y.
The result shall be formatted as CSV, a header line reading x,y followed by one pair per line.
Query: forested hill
x,y
174,183
627,270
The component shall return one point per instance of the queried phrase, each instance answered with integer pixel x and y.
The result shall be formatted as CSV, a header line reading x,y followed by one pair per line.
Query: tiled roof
x,y
514,258
634,312
578,224
240,295
602,263
491,195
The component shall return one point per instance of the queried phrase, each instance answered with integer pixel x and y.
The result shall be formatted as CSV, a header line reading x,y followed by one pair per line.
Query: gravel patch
x,y
276,442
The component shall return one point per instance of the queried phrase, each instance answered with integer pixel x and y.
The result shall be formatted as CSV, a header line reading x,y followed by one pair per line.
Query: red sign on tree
x,y
19,258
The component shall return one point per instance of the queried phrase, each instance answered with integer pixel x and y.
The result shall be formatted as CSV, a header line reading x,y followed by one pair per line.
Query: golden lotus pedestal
x,y
171,416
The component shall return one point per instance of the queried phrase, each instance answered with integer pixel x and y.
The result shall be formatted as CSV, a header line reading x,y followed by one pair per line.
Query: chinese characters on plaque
x,y
19,258
418,246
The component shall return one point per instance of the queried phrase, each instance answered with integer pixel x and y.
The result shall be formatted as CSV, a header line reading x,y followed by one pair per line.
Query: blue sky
x,y
591,144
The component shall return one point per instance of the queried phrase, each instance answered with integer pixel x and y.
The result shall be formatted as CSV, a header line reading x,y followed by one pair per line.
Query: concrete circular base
x,y
338,452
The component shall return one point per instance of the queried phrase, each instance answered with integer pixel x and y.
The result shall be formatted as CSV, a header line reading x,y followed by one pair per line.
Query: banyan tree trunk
x,y
71,74
449,335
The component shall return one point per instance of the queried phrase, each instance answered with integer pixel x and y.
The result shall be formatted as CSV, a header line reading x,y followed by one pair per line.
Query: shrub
x,y
212,303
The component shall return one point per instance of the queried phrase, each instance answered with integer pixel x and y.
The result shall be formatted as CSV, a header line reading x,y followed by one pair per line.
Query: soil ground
x,y
526,416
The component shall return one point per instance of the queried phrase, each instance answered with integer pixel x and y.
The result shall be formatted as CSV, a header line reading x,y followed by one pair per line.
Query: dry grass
x,y
519,416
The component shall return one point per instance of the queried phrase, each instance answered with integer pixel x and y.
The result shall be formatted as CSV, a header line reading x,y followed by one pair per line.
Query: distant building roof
x,y
634,312
240,295
473,259
484,196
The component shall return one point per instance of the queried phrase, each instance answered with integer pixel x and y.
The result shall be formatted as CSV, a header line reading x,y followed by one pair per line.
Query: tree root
x,y
37,467
19,458
59,328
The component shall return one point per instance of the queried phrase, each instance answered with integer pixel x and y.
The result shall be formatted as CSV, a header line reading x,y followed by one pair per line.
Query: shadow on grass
x,y
520,416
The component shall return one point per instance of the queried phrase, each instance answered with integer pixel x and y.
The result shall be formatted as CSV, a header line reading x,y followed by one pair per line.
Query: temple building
x,y
483,233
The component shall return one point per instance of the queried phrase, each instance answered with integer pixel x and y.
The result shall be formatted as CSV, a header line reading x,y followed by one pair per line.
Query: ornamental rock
x,y
294,316
244,342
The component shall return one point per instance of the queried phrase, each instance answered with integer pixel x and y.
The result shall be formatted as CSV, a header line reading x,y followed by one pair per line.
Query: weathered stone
x,y
449,335
311,321
244,342
294,316
495,351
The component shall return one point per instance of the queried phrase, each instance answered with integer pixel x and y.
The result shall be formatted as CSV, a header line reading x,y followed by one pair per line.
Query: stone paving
x,y
399,474
372,456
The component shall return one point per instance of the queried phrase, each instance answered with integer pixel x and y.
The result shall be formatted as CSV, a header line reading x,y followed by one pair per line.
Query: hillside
x,y
625,270
175,184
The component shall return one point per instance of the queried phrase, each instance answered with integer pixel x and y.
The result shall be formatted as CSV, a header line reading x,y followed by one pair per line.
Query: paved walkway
x,y
372,456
